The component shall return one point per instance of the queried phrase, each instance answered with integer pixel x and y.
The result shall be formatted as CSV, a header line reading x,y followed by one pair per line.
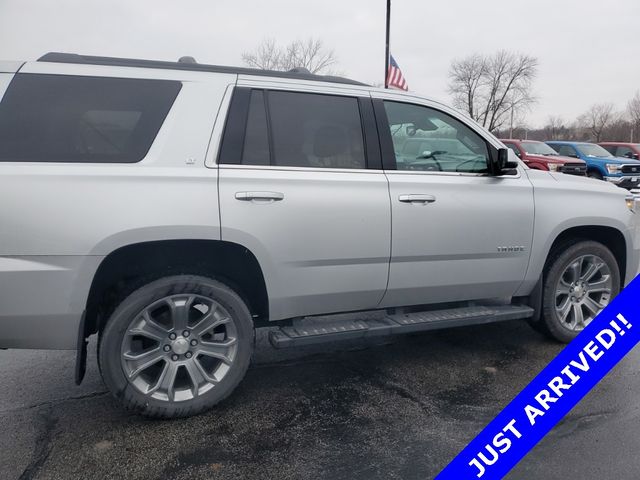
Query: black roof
x,y
57,57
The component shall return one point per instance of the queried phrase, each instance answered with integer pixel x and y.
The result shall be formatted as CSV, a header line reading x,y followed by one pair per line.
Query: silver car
x,y
173,208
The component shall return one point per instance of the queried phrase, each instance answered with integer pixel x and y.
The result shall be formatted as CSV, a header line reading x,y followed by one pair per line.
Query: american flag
x,y
394,77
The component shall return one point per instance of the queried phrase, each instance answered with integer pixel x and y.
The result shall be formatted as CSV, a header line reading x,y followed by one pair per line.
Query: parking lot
x,y
398,410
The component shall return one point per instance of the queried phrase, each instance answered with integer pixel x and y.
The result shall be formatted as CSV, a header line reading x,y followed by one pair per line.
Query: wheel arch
x,y
128,267
609,236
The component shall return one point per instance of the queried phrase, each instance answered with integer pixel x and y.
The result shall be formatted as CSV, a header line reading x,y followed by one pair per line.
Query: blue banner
x,y
553,393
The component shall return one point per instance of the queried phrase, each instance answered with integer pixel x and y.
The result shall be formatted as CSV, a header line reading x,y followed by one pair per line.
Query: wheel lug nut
x,y
172,336
167,348
194,343
188,354
174,358
186,333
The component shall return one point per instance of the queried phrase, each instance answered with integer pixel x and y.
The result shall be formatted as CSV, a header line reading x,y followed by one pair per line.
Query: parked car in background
x,y
601,164
621,149
540,156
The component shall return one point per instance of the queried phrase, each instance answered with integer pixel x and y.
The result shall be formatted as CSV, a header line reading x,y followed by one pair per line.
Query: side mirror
x,y
500,164
633,156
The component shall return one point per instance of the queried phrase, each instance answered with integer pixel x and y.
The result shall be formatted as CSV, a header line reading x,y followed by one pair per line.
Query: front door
x,y
457,232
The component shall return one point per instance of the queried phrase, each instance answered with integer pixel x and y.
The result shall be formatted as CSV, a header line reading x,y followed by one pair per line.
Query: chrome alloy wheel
x,y
583,291
179,347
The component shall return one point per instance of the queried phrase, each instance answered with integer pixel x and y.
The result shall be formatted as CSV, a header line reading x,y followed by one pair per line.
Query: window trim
x,y
234,132
388,151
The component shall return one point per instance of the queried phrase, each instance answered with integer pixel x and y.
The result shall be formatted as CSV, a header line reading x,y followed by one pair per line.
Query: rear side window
x,y
314,130
61,118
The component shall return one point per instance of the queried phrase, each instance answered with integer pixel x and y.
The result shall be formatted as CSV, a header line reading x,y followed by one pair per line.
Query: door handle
x,y
260,196
417,198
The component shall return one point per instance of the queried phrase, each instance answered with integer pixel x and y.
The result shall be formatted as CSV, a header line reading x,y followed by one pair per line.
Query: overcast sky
x,y
589,51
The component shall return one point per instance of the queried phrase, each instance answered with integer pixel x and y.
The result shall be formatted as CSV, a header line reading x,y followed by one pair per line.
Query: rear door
x,y
301,186
457,233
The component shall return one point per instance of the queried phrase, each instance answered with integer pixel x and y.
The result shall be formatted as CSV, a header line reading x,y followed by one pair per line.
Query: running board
x,y
313,332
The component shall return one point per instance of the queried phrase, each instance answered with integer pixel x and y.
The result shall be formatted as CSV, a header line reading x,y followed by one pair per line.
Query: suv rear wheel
x,y
580,282
177,346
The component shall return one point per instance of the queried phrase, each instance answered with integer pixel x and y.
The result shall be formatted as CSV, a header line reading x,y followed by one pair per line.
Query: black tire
x,y
558,262
111,347
594,174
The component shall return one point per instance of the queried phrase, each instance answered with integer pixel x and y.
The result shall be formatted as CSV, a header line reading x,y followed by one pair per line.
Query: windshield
x,y
538,148
591,150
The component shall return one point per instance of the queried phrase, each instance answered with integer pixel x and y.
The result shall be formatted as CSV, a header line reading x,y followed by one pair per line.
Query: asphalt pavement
x,y
397,410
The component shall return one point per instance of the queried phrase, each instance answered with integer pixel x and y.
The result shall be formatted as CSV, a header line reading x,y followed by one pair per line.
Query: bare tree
x,y
597,119
466,78
310,54
491,88
554,127
633,109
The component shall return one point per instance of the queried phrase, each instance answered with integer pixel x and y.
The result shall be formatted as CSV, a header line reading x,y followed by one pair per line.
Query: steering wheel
x,y
432,157
474,160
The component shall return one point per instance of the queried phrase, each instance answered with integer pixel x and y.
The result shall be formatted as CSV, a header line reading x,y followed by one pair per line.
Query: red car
x,y
621,149
540,156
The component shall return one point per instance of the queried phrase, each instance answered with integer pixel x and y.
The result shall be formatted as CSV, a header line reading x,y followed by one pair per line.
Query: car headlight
x,y
553,167
613,168
632,203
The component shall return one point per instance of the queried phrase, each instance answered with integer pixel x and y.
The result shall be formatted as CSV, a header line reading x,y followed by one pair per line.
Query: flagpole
x,y
386,52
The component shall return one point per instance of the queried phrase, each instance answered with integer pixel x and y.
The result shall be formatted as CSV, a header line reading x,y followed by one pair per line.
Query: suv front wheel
x,y
580,281
177,346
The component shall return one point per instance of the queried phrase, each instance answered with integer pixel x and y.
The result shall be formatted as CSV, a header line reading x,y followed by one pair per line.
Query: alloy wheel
x,y
583,291
179,347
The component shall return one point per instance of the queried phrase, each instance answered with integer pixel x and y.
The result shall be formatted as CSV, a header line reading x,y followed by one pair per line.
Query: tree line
x,y
495,90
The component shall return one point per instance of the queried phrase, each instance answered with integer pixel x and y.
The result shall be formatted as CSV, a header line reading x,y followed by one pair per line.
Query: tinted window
x,y
256,140
624,152
310,130
425,139
57,118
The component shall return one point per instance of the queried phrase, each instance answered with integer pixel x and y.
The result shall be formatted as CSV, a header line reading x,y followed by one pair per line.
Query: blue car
x,y
600,163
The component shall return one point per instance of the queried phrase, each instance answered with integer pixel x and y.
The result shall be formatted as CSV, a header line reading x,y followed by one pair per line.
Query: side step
x,y
313,331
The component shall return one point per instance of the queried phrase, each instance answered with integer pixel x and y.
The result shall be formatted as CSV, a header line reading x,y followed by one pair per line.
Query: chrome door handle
x,y
417,198
260,196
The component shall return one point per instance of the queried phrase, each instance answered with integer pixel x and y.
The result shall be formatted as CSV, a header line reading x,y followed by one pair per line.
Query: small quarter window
x,y
256,139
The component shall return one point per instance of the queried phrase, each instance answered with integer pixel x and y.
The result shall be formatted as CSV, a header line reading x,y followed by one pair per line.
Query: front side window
x,y
425,139
63,118
313,130
565,150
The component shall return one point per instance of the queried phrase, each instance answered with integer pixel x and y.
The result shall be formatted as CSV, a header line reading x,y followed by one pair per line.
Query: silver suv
x,y
173,208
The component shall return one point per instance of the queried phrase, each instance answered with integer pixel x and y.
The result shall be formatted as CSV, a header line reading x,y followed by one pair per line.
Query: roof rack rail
x,y
184,64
